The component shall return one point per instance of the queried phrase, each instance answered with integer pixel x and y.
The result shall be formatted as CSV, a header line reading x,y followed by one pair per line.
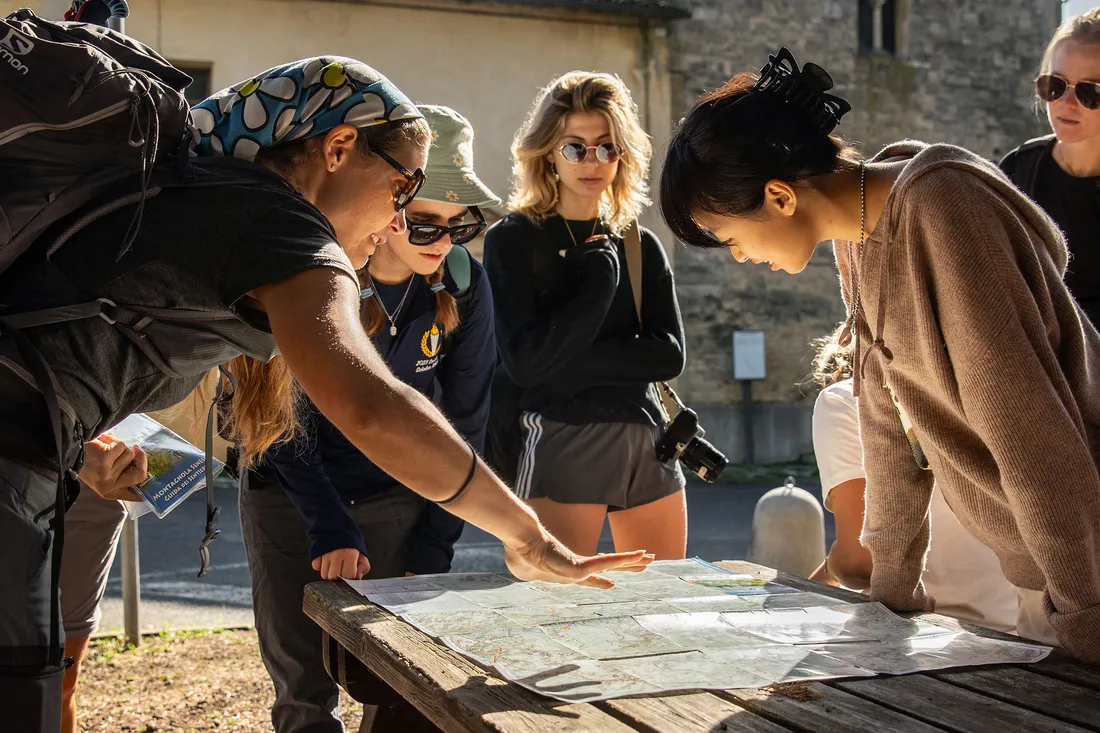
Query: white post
x,y
131,582
788,531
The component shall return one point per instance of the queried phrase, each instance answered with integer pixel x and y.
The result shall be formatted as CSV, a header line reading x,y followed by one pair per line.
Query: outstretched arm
x,y
314,316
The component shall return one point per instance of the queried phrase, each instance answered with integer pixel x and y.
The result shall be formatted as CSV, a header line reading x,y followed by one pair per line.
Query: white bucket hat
x,y
449,174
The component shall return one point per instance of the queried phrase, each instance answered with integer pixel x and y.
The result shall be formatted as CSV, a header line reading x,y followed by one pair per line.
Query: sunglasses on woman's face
x,y
421,235
404,193
578,152
1052,88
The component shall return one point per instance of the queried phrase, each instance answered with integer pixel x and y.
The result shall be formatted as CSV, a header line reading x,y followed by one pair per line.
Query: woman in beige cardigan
x,y
974,366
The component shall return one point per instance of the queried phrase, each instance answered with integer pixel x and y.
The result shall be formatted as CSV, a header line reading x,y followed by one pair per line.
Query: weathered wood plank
x,y
822,709
452,691
1064,667
1023,688
951,707
693,712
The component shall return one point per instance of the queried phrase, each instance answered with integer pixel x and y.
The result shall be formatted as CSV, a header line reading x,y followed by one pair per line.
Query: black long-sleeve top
x,y
567,331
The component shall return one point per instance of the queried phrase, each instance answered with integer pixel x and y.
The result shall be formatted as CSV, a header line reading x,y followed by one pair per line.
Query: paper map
x,y
681,624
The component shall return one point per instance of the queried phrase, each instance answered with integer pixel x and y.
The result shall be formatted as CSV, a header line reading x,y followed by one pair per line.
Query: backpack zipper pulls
x,y
135,121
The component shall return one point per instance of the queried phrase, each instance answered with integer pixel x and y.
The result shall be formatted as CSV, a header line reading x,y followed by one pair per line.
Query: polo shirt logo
x,y
432,341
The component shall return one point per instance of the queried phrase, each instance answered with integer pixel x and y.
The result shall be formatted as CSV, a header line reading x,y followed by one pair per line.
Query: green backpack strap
x,y
458,264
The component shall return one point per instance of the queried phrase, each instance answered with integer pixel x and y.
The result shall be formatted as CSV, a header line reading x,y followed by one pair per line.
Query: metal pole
x,y
131,582
746,414
131,577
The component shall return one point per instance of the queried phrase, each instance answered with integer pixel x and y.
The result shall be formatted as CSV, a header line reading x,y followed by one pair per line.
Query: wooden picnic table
x,y
457,695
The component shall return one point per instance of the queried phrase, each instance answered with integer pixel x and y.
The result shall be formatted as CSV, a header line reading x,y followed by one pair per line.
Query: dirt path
x,y
181,682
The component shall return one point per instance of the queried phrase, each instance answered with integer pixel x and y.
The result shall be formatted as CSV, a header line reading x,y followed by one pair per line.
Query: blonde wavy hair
x,y
535,189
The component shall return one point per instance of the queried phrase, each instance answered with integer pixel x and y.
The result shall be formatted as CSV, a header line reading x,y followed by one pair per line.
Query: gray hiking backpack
x,y
91,122
84,110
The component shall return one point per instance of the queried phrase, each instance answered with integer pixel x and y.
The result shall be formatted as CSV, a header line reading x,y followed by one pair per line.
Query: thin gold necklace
x,y
569,229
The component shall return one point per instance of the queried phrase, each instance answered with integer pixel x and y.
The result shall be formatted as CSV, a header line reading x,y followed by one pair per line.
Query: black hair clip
x,y
780,78
436,287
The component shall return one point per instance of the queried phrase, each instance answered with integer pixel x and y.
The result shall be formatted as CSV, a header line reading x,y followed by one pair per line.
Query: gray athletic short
x,y
598,463
92,528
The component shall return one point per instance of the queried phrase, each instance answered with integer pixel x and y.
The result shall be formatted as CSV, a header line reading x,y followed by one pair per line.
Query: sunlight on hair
x,y
535,192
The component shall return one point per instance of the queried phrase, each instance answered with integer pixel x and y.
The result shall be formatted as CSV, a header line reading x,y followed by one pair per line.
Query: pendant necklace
x,y
569,229
396,311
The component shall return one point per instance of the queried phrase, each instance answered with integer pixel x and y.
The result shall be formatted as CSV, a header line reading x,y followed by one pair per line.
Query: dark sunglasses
x,y
578,152
1052,88
405,193
422,235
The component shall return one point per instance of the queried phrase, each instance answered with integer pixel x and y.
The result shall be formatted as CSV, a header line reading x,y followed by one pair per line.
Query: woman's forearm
x,y
314,317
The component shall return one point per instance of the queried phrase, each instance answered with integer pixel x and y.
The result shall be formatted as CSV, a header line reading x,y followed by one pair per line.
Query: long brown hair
x,y
535,190
264,410
446,308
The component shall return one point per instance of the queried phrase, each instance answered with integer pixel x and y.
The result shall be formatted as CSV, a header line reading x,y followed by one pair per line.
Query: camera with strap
x,y
682,437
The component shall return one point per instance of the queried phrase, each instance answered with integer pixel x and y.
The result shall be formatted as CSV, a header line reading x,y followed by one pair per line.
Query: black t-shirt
x,y
567,331
1074,205
201,248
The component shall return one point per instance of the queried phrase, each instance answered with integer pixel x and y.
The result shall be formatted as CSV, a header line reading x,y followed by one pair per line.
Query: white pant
x,y
1031,623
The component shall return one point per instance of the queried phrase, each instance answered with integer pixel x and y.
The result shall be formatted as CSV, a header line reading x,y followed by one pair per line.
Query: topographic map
x,y
679,624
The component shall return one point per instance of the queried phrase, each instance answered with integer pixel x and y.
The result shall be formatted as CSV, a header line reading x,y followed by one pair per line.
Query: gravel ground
x,y
181,682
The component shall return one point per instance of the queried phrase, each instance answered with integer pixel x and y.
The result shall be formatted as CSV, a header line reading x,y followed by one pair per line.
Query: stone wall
x,y
965,79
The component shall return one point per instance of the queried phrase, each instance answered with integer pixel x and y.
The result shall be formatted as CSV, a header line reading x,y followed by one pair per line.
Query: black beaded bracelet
x,y
469,481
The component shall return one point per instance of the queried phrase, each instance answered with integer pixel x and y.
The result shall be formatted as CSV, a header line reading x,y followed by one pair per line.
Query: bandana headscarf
x,y
293,102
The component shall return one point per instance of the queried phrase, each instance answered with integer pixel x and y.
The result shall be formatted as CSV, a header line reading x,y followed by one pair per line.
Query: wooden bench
x,y
456,695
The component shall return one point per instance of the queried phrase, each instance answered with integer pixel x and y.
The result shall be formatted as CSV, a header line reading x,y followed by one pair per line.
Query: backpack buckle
x,y
106,310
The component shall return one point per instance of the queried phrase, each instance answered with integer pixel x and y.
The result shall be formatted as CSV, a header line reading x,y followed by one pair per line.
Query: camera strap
x,y
632,243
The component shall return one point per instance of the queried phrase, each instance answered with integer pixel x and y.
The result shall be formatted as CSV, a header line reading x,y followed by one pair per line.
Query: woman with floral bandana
x,y
428,309
311,158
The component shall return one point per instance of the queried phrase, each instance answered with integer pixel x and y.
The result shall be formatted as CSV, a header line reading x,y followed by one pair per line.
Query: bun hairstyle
x,y
775,125
446,308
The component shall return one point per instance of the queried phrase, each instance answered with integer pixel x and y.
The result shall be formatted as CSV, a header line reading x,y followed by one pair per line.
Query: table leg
x,y
383,708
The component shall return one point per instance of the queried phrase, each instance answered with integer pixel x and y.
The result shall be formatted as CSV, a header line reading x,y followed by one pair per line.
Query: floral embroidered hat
x,y
293,102
449,174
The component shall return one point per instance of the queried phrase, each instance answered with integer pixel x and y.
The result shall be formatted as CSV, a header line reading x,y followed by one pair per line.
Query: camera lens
x,y
704,460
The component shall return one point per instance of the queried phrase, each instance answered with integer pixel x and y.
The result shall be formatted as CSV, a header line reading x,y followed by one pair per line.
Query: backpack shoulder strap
x,y
632,240
460,267
458,264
